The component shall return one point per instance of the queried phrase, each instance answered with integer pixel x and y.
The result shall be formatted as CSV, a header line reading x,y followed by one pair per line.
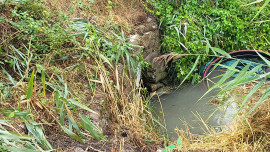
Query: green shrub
x,y
36,25
188,26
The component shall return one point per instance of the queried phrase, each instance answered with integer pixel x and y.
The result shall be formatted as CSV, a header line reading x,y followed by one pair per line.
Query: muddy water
x,y
183,109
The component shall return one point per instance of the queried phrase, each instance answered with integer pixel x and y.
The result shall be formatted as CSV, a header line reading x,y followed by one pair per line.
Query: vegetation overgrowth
x,y
63,76
208,28
64,73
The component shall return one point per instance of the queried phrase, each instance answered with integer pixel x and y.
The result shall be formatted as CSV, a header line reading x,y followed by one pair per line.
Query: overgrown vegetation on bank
x,y
200,29
69,77
209,27
67,67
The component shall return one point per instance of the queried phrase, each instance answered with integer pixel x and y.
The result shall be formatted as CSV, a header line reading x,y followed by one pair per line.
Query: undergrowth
x,y
206,27
57,72
60,67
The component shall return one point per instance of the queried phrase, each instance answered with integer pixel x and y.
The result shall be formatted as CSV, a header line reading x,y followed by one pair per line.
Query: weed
x,y
10,141
59,67
222,24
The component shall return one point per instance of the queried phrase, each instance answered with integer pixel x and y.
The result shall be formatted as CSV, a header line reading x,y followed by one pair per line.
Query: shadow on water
x,y
183,109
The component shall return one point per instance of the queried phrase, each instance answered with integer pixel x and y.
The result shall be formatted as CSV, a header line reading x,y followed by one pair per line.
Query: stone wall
x,y
146,36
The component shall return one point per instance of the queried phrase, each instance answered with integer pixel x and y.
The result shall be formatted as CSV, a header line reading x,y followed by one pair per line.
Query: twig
x,y
212,3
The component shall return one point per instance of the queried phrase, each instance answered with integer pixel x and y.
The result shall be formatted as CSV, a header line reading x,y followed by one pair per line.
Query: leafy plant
x,y
33,22
19,61
65,107
10,141
173,147
13,141
116,48
243,76
189,27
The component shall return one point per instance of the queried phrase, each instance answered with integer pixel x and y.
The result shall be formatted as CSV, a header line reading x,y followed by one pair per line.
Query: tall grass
x,y
247,132
53,83
244,75
126,106
250,128
14,141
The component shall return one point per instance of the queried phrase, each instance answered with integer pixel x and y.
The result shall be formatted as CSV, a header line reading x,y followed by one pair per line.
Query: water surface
x,y
183,108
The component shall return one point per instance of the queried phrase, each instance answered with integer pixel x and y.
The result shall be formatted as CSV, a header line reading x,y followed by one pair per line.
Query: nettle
x,y
197,26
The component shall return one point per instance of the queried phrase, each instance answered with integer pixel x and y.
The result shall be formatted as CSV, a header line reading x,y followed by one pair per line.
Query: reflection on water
x,y
183,108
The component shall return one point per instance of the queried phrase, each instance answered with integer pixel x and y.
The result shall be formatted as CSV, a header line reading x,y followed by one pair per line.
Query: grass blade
x,y
264,5
220,83
259,85
30,86
76,103
72,134
218,50
264,96
264,59
13,82
93,129
75,126
192,69
43,82
255,2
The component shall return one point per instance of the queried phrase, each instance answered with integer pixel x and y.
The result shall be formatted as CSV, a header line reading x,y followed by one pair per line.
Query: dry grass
x,y
250,134
126,13
127,118
126,108
123,108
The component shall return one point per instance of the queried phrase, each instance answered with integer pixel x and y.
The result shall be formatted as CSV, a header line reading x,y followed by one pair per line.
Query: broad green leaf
x,y
72,134
30,85
259,85
12,114
264,96
218,50
76,103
